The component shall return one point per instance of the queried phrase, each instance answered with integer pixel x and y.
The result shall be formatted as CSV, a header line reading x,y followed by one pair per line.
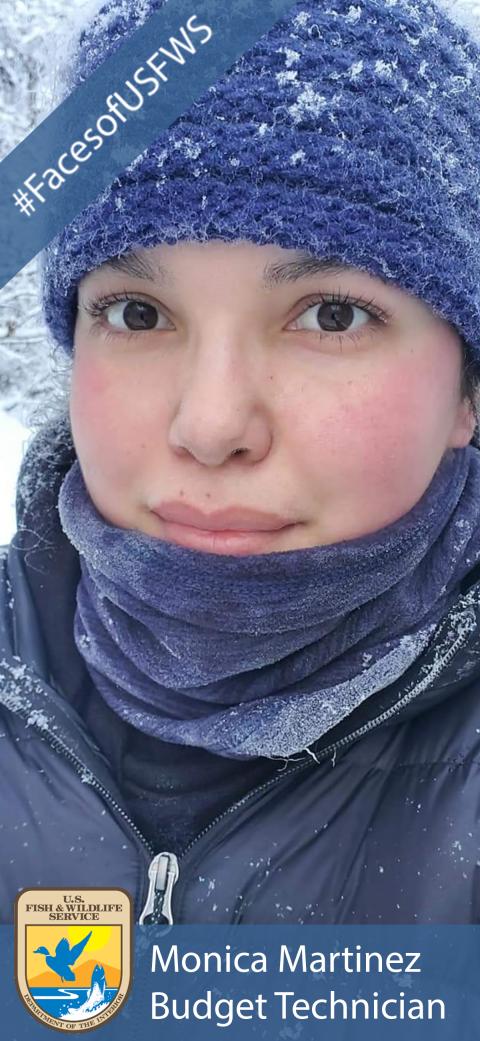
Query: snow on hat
x,y
350,131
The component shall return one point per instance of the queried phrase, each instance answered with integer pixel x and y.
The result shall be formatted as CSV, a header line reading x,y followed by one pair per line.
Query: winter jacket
x,y
378,823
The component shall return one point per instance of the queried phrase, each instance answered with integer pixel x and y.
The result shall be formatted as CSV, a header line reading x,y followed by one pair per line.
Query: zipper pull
x,y
163,873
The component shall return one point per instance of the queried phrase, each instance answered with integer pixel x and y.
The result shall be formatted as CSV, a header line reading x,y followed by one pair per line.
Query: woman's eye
x,y
134,316
334,317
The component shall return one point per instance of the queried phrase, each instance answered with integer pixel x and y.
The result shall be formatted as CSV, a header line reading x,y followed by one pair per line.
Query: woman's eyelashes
x,y
337,310
127,307
327,316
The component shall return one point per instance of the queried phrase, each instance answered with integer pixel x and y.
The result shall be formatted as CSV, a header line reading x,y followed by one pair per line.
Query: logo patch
x,y
73,955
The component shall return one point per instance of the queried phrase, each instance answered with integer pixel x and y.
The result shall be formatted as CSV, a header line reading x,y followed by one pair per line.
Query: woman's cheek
x,y
89,412
100,423
373,441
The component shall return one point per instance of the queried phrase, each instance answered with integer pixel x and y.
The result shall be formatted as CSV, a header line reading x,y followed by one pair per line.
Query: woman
x,y
272,715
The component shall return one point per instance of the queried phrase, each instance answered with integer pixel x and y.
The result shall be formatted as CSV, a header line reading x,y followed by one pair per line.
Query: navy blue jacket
x,y
379,825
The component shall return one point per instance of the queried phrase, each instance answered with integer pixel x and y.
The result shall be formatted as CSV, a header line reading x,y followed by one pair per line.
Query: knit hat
x,y
350,131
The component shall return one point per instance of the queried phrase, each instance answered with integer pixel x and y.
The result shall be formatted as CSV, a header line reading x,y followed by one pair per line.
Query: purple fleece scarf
x,y
260,655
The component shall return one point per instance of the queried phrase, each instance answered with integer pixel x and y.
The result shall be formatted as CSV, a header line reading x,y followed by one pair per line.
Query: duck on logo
x,y
73,955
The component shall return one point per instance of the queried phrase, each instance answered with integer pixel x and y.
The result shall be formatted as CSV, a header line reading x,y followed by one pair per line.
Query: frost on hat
x,y
350,131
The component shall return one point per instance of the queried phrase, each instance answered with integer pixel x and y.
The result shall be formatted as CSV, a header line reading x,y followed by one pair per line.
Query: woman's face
x,y
343,417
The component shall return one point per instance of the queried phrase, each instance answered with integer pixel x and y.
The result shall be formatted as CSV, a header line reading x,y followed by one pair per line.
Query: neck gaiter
x,y
261,655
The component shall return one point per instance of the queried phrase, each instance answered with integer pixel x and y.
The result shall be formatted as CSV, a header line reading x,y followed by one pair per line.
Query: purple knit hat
x,y
351,133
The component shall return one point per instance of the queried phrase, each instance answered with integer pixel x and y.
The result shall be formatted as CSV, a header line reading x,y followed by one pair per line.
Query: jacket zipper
x,y
163,874
85,773
164,868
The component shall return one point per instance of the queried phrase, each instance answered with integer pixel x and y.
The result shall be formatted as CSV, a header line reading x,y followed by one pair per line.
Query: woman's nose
x,y
219,408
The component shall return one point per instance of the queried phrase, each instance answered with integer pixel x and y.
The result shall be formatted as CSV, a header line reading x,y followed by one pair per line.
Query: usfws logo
x,y
73,955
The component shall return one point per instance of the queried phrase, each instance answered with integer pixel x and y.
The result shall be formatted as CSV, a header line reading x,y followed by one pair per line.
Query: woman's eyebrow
x,y
275,273
136,265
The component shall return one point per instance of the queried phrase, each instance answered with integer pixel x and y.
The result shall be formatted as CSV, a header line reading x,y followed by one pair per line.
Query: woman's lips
x,y
233,542
237,530
235,518
237,543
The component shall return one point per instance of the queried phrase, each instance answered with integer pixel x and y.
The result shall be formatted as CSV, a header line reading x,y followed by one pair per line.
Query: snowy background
x,y
31,35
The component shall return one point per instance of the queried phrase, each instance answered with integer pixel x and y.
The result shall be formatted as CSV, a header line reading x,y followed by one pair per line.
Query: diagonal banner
x,y
79,149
